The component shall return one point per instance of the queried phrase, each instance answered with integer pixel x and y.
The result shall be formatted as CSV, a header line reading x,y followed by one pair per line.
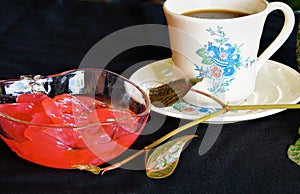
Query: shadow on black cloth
x,y
47,37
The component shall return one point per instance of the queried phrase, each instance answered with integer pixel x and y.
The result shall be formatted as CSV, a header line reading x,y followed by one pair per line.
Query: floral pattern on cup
x,y
221,60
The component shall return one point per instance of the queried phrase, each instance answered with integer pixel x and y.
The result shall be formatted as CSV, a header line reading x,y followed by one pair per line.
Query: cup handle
x,y
282,36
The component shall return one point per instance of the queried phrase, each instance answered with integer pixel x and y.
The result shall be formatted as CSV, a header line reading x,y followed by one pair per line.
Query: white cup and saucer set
x,y
219,42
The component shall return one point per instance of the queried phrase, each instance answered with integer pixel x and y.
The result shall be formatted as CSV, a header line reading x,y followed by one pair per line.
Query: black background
x,y
47,37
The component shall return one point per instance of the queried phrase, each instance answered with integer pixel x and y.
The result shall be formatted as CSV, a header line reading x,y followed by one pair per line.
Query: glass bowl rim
x,y
143,113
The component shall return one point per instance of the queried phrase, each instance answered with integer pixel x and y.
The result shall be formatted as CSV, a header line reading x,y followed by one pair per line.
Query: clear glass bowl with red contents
x,y
78,117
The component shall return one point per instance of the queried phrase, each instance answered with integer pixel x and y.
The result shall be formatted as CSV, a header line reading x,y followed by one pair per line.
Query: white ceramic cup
x,y
223,50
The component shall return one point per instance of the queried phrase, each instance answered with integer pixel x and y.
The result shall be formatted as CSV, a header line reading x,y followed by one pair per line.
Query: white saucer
x,y
276,84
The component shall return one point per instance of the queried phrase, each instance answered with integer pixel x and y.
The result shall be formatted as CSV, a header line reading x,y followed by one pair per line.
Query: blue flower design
x,y
228,71
205,110
223,58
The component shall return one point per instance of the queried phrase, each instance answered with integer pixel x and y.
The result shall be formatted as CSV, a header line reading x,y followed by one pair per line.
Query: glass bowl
x,y
79,117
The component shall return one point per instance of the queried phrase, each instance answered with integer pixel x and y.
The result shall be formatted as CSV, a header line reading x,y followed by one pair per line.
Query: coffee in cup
x,y
219,41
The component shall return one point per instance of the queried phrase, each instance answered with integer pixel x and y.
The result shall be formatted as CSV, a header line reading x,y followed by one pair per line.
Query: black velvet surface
x,y
46,37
